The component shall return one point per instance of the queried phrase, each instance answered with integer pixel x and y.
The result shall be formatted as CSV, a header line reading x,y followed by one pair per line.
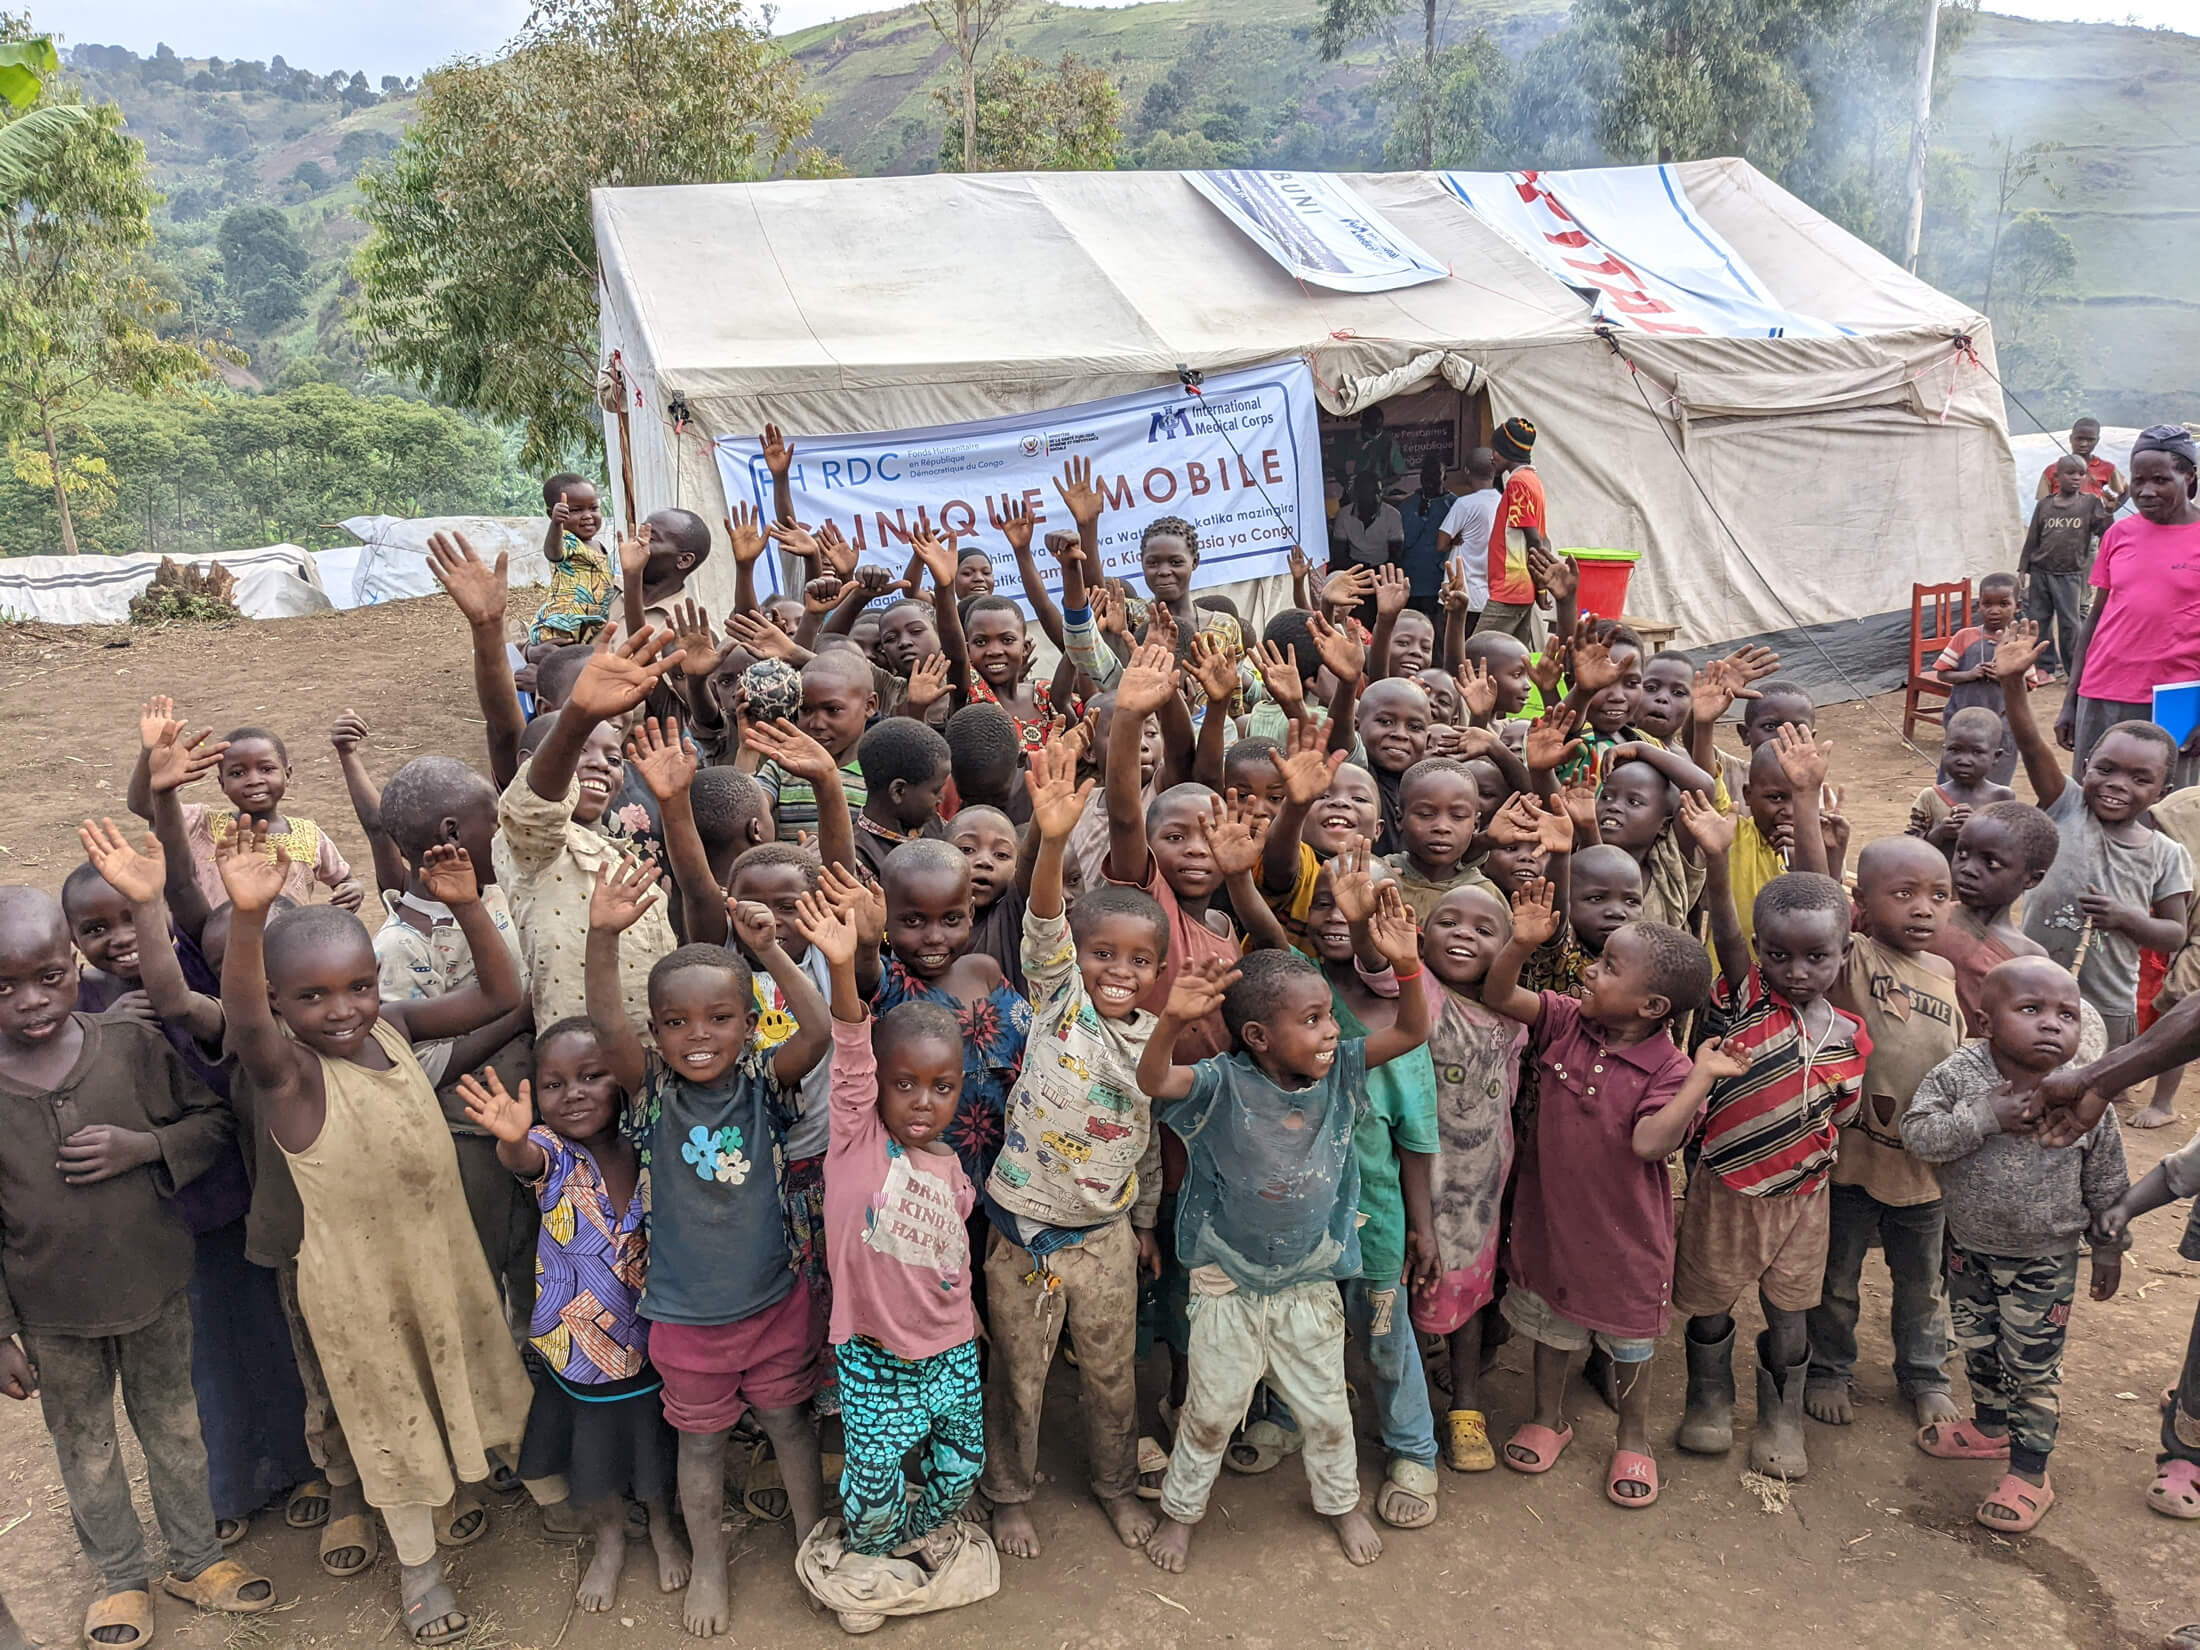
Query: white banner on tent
x,y
1318,229
1240,459
1629,237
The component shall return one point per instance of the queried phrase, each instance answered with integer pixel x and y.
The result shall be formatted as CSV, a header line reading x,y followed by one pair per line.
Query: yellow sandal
x,y
1467,1446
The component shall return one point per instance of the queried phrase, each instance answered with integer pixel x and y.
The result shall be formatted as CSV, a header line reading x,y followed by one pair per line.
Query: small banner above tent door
x,y
1241,460
1318,230
1628,240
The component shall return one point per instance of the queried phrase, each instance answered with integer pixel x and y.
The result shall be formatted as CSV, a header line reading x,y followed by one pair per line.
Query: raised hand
x,y
447,871
1215,667
561,513
137,874
1148,682
778,452
828,928
1477,689
1548,668
1065,547
861,903
1554,826
1199,988
1347,588
1111,610
938,558
1549,745
624,890
1455,597
927,684
1339,646
155,717
2018,651
744,533
634,554
1833,829
1351,883
616,679
479,588
252,869
662,758
1161,627
839,554
796,539
1279,674
1717,685
1235,836
1079,497
1580,802
1707,827
760,636
699,646
1011,518
174,762
786,744
1517,820
1560,575
1593,667
1750,664
1057,799
348,733
1535,913
1802,758
1301,569
1306,764
1391,590
753,924
490,1106
1723,1059
1393,929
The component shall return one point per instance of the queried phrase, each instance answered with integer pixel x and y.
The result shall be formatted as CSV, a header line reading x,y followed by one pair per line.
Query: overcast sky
x,y
403,37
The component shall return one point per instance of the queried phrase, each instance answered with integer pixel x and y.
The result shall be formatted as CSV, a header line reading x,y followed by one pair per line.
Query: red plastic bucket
x,y
1604,575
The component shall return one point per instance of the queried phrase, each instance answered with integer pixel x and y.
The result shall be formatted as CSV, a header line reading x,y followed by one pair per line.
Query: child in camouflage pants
x,y
2016,1211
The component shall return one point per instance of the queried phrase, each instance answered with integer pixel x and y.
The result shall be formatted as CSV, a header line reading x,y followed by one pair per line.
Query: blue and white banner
x,y
1627,238
1240,459
1318,229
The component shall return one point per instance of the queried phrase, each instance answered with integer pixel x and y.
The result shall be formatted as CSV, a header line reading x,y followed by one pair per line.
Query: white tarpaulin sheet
x,y
1629,238
1240,459
278,582
1318,229
390,562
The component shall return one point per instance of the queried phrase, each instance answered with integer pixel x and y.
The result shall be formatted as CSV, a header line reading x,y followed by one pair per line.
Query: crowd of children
x,y
808,1031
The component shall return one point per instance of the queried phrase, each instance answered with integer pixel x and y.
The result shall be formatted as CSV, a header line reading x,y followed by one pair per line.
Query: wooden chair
x,y
1937,612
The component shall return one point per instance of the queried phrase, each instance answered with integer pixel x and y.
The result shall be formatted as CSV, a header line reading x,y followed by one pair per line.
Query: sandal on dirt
x,y
432,1606
354,1532
1467,1442
1264,1446
1539,1448
300,1512
1961,1441
2026,1503
230,1531
1631,1467
131,1611
220,1586
1153,1463
764,1491
1407,1483
2186,1637
452,1528
2175,1492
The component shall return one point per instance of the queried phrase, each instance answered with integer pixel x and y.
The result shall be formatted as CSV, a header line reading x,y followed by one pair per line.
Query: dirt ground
x,y
1877,1545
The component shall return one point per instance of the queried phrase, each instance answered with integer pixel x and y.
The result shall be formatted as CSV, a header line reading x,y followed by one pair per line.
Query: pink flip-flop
x,y
2026,1504
1543,1447
1961,1441
2175,1492
1631,1467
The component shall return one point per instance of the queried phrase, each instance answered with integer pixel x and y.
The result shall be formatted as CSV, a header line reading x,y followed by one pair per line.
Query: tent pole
x,y
626,468
1920,126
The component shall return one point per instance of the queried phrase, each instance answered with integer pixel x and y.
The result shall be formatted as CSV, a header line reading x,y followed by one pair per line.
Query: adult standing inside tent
x,y
1518,528
1376,453
2148,571
1367,532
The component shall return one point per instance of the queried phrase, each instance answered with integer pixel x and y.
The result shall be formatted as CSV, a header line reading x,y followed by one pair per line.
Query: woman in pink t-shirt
x,y
2144,629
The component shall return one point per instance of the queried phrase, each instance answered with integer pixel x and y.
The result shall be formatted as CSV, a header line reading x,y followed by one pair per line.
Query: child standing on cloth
x,y
1267,1219
1906,997
1616,1099
105,1123
730,1327
1476,1055
404,1314
1074,1193
2016,1212
596,1420
896,1200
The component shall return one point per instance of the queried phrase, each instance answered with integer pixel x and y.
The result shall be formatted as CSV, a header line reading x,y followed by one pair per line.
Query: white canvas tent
x,y
1845,467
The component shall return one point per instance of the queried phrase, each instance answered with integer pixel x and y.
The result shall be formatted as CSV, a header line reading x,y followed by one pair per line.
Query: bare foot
x,y
1012,1530
1171,1544
706,1612
673,1563
1356,1536
2156,1114
1829,1401
599,1588
1932,1407
1134,1520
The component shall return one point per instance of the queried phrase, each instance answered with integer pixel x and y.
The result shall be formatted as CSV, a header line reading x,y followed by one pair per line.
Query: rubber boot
x,y
1776,1448
1707,1426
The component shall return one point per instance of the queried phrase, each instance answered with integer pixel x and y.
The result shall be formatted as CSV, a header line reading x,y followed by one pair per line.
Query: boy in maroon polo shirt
x,y
1617,1099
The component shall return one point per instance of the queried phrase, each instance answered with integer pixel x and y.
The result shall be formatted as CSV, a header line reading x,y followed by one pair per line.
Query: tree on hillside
x,y
964,25
1442,100
263,267
1033,119
76,315
479,281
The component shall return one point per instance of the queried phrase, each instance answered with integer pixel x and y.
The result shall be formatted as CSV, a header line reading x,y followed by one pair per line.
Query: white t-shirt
x,y
1469,524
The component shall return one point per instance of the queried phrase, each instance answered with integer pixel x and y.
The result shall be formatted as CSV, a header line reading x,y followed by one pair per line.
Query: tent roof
x,y
1003,278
